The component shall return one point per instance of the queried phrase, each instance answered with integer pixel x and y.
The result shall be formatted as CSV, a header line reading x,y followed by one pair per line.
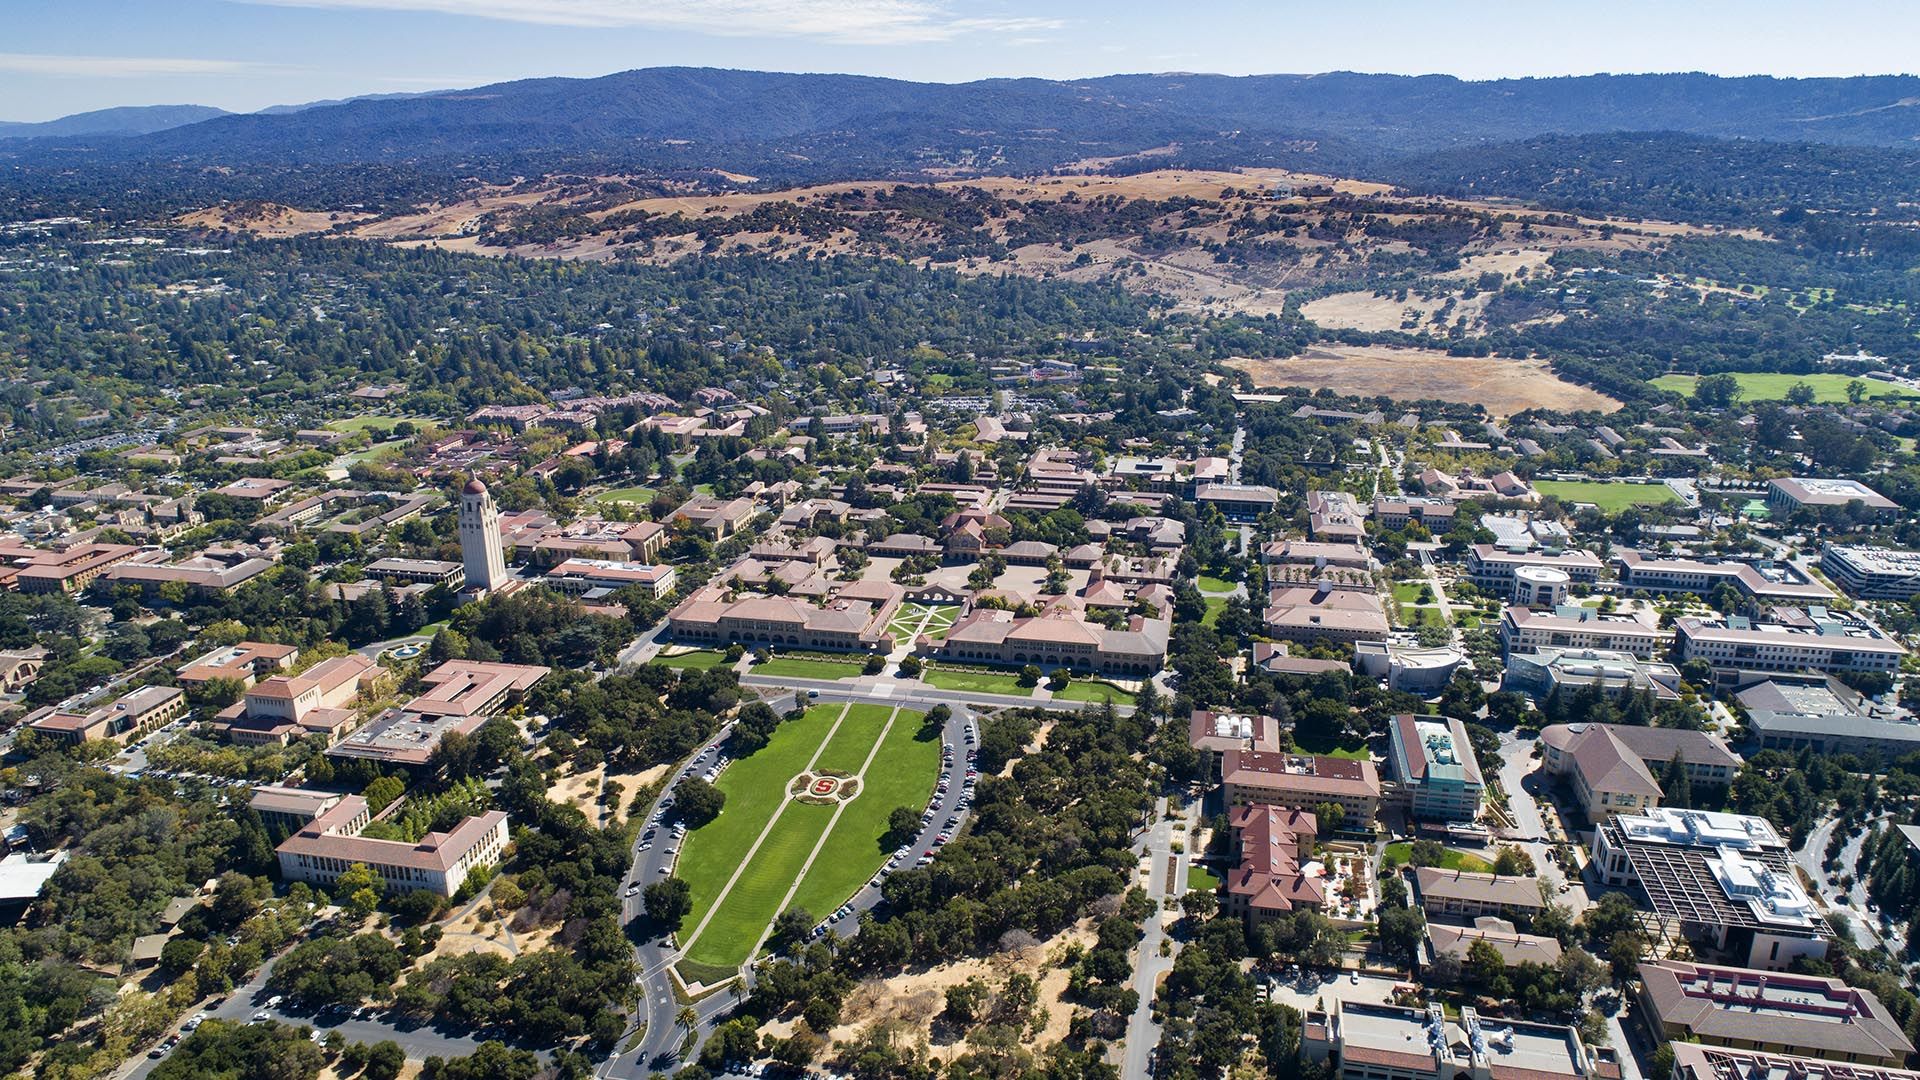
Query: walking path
x,y
838,808
687,945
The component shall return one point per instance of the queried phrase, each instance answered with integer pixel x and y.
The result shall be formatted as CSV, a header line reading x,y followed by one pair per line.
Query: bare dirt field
x,y
1361,310
1503,386
267,219
913,1000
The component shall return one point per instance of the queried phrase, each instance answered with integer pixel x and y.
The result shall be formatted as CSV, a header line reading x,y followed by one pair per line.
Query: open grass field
x,y
911,763
1773,386
1505,387
755,787
982,682
1215,606
1201,879
697,660
626,494
1210,584
1402,853
381,424
804,667
1607,496
840,738
1093,691
1408,592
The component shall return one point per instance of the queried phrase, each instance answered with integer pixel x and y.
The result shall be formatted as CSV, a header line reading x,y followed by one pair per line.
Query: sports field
x,y
1607,496
767,851
1773,386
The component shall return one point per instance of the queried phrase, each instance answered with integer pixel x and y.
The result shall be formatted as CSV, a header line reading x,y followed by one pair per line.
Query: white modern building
x,y
1788,639
1873,573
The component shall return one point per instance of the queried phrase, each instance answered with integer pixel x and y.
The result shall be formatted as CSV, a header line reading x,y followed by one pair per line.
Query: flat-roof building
x,y
1787,639
1212,734
1492,568
419,571
1694,1061
1434,768
1873,573
1727,879
1787,494
460,696
587,575
1394,1042
1822,714
1574,627
1760,580
1617,674
243,662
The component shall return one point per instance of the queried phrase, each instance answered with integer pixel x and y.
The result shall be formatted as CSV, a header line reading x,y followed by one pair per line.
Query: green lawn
x,y
1359,753
1216,606
755,786
381,424
1201,879
627,494
372,452
1094,691
1399,854
1210,584
902,774
1408,592
1773,386
698,660
1607,496
755,898
801,667
847,750
980,682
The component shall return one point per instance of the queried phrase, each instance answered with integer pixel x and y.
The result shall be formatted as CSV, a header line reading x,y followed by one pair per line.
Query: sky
x,y
64,56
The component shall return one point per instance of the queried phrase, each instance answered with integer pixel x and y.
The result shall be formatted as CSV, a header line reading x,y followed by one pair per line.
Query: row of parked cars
x,y
903,856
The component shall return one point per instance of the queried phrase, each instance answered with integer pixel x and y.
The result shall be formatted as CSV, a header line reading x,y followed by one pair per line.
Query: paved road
x,y
419,1042
1526,786
1853,902
1164,886
663,1036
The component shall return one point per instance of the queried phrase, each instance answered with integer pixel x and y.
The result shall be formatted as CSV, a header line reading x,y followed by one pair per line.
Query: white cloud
x,y
857,22
124,67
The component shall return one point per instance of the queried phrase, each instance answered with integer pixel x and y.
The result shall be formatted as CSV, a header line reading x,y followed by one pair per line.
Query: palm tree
x,y
686,1017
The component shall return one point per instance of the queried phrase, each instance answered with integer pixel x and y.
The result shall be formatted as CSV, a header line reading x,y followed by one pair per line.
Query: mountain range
x,y
608,116
1608,141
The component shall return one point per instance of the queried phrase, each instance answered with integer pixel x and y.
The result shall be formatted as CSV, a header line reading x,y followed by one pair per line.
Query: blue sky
x,y
62,56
